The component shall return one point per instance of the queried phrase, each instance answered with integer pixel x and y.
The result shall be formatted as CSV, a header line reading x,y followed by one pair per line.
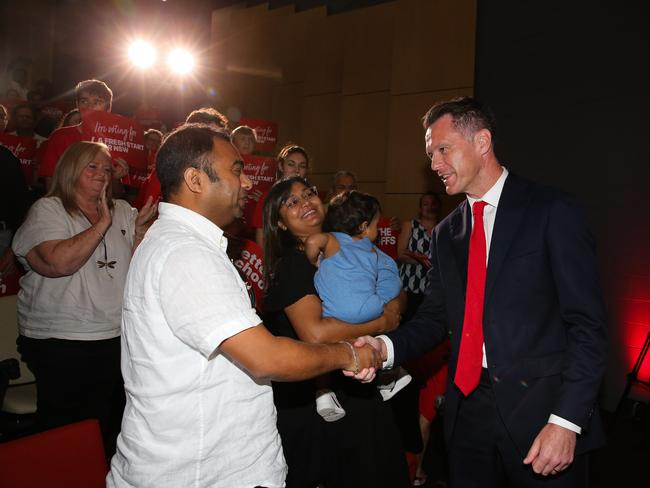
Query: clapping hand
x,y
145,218
103,210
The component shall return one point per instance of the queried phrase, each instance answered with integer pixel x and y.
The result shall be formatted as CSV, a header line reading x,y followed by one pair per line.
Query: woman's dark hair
x,y
433,194
277,242
348,210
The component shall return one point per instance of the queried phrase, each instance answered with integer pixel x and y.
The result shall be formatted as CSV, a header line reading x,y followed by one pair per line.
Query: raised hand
x,y
146,217
103,210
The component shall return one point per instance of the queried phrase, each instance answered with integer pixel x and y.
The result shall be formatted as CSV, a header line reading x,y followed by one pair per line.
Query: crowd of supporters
x,y
73,255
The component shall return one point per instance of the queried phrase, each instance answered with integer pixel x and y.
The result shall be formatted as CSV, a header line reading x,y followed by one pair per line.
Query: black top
x,y
361,449
294,280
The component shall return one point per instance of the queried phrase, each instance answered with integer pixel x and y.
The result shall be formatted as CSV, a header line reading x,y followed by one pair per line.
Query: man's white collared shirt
x,y
193,418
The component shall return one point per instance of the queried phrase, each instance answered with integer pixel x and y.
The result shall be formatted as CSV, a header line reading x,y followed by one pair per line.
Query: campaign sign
x,y
24,148
266,132
123,136
261,171
251,268
387,237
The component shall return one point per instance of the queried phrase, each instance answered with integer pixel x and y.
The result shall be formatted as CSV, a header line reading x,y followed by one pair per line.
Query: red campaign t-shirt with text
x,y
150,188
56,145
250,264
387,237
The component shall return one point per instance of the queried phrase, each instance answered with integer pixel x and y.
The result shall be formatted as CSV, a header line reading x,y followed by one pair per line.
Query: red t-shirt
x,y
257,220
56,145
150,188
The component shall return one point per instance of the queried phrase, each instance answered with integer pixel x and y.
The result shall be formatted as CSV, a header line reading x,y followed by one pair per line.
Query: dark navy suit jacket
x,y
543,320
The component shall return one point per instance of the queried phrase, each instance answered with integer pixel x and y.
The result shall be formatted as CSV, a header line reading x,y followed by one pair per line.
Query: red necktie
x,y
470,355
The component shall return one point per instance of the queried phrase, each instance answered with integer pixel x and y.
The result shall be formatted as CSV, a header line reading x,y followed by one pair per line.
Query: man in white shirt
x,y
520,297
196,360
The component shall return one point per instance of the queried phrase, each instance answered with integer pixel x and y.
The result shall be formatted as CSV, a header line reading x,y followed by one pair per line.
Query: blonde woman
x,y
76,244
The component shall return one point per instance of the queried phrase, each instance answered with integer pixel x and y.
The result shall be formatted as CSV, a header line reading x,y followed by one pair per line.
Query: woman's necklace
x,y
106,264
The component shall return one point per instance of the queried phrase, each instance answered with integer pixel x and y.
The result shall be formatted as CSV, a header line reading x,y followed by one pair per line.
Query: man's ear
x,y
193,179
483,141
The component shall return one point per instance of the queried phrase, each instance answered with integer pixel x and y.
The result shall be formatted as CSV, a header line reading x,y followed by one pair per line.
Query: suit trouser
x,y
482,454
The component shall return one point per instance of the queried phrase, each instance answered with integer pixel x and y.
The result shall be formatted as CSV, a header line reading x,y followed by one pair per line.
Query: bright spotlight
x,y
180,61
142,54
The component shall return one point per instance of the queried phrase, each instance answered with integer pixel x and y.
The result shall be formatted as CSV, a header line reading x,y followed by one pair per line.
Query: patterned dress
x,y
414,275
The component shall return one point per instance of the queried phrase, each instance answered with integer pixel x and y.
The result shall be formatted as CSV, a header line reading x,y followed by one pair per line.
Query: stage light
x,y
142,54
180,61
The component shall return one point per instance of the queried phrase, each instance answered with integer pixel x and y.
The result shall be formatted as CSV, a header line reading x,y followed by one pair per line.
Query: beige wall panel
x,y
250,50
324,55
295,32
375,188
408,168
25,35
363,135
287,110
247,96
220,33
405,206
433,45
244,17
368,49
320,131
321,180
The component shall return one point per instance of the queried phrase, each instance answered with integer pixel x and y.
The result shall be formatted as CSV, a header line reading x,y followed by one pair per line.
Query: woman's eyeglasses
x,y
294,200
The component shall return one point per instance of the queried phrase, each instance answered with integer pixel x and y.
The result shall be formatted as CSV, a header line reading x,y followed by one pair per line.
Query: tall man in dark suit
x,y
514,282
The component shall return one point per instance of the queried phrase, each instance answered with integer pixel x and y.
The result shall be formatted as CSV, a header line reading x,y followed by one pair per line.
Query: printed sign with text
x,y
24,148
266,132
261,171
123,136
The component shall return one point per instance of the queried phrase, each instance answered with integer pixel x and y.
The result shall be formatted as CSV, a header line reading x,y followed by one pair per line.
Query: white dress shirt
x,y
491,197
193,418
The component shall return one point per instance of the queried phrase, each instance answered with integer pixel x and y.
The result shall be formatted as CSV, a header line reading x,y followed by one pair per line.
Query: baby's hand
x,y
314,245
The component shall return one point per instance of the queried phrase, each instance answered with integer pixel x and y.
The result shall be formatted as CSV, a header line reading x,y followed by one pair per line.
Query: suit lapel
x,y
510,213
460,228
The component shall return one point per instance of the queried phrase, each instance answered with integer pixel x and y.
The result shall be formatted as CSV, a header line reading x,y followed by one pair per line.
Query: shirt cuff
x,y
554,419
390,353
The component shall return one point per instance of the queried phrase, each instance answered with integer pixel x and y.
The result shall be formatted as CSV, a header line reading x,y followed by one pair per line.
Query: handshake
x,y
368,353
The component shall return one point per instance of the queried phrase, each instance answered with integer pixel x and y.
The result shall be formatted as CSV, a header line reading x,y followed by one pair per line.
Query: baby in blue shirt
x,y
354,279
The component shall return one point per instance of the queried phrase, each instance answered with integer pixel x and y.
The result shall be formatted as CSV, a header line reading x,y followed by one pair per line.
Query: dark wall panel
x,y
568,84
